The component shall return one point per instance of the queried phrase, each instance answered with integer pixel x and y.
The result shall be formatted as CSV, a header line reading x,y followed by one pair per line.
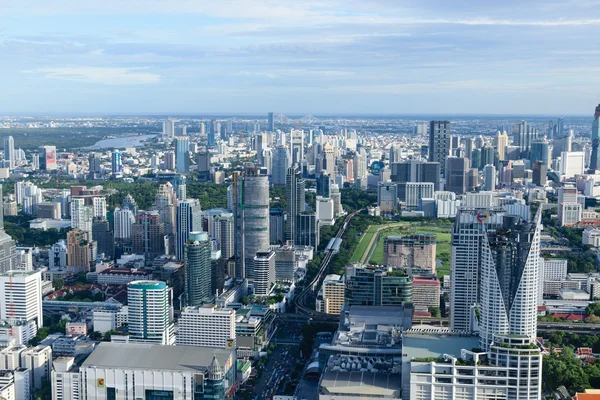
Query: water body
x,y
122,142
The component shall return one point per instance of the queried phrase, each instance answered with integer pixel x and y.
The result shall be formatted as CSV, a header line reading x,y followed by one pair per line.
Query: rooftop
x,y
361,383
157,357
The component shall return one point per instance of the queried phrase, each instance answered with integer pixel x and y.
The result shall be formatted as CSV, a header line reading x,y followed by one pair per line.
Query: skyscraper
x,y
8,248
197,269
21,294
297,146
456,174
251,212
281,163
168,129
182,154
189,219
271,122
104,237
9,152
501,143
116,164
489,174
149,312
295,200
48,158
81,250
123,220
148,235
539,175
595,160
510,279
264,272
439,143
539,151
165,202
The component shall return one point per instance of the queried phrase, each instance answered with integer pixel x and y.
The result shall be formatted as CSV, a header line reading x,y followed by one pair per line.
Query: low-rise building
x,y
591,237
207,326
426,292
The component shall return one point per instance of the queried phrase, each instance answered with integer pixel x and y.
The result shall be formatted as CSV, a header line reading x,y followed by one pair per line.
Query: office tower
x,y
264,272
81,214
129,203
595,160
35,162
571,163
197,268
212,135
281,163
456,173
387,197
336,196
326,160
564,143
297,146
323,182
295,200
416,171
149,312
330,299
472,177
394,155
412,251
21,294
539,174
94,166
203,165
104,237
169,162
540,151
9,152
377,286
276,226
569,210
165,202
48,158
360,165
271,122
168,129
57,255
99,206
285,263
307,230
259,143
510,280
501,143
123,220
468,234
148,235
116,163
189,219
182,154
180,187
8,247
439,143
469,145
489,174
411,193
250,195
208,326
81,250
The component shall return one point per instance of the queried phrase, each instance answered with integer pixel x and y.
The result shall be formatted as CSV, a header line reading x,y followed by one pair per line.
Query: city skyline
x,y
360,57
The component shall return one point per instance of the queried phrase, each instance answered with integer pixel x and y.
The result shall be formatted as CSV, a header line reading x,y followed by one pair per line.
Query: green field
x,y
364,242
442,249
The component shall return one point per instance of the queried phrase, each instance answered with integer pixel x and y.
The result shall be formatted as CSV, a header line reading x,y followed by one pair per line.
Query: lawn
x,y
363,244
442,249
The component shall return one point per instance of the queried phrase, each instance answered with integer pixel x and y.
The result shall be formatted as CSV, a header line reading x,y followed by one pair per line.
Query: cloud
x,y
99,75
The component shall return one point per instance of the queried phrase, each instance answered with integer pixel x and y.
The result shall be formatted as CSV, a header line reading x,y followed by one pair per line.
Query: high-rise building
x,y
411,193
510,280
81,251
416,171
48,158
501,143
281,163
250,195
456,174
264,272
189,219
377,286
129,203
9,152
182,154
468,234
149,312
81,214
331,297
572,163
387,197
326,160
277,226
165,202
439,143
539,174
271,122
8,248
104,237
295,200
595,160
323,183
94,166
307,230
489,175
169,161
148,235
412,251
197,268
116,163
297,146
123,220
524,135
21,294
207,326
540,151
168,129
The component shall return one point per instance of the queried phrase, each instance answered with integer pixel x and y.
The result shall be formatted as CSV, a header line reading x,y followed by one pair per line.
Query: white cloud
x,y
99,75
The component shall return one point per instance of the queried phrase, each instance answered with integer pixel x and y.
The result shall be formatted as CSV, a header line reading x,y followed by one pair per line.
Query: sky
x,y
300,56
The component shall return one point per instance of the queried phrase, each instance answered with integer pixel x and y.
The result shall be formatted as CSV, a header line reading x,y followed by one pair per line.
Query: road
x,y
275,372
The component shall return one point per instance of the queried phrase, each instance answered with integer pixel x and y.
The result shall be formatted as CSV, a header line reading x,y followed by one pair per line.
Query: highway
x,y
316,282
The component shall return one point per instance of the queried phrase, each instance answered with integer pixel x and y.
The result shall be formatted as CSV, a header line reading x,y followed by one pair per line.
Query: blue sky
x,y
300,56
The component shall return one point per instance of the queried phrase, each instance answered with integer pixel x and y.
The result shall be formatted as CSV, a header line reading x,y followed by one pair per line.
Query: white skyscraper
x,y
168,129
81,214
21,294
123,219
149,312
489,174
264,273
9,152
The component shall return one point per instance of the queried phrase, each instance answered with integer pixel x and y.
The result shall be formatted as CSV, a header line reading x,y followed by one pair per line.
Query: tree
x,y
58,283
435,312
593,309
95,335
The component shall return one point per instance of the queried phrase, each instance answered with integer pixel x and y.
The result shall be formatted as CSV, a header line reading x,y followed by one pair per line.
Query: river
x,y
122,142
